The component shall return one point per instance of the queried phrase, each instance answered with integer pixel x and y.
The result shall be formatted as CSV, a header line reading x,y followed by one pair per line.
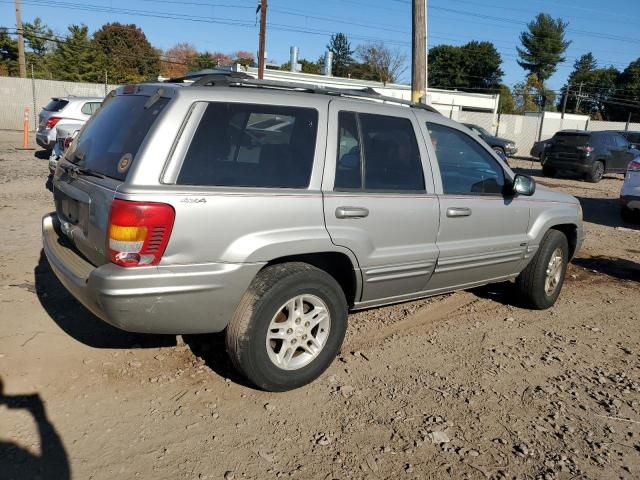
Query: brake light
x,y
634,166
129,89
585,148
67,142
139,232
52,122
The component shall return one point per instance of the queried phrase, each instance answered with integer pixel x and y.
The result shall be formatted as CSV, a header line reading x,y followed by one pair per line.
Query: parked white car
x,y
65,135
630,193
60,111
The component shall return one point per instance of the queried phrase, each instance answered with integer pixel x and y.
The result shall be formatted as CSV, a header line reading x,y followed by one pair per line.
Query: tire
x,y
531,283
548,171
596,173
629,215
499,151
264,305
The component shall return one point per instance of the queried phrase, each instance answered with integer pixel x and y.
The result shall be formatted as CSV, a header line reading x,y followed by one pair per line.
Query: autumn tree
x,y
387,64
175,61
127,54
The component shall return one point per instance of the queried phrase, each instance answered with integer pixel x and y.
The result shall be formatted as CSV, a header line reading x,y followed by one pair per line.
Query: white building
x,y
447,102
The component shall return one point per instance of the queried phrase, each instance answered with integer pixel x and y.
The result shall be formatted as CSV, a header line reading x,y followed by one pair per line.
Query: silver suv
x,y
269,212
61,111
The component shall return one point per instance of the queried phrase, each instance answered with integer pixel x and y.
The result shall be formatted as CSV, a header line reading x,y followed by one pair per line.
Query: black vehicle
x,y
538,149
500,145
590,153
632,137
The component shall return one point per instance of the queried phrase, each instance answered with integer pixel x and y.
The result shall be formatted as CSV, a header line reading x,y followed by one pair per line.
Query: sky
x,y
611,34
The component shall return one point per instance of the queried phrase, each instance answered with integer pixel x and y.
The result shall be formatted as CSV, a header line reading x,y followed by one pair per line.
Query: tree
x,y
244,58
543,46
306,66
76,59
8,54
202,61
473,66
531,94
340,47
127,54
221,59
506,103
37,36
175,61
386,63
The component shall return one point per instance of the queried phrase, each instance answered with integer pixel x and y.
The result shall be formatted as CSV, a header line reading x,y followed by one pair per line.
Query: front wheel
x,y
289,326
548,171
540,283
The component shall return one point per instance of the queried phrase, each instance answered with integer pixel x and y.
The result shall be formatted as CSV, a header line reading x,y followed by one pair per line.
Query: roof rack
x,y
240,79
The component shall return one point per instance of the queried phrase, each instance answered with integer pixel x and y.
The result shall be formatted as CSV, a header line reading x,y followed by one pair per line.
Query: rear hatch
x,y
55,106
568,145
97,163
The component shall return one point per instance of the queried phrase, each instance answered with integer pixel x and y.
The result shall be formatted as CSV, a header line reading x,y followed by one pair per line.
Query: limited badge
x,y
125,163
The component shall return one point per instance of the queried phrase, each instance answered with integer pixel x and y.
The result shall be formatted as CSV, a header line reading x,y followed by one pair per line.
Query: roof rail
x,y
240,79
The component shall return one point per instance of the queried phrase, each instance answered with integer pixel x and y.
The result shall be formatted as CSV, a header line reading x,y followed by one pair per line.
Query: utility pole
x,y
21,60
263,33
564,100
579,98
419,50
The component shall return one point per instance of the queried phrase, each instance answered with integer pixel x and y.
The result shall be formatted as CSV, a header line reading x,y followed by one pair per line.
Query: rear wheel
x,y
629,215
540,283
289,326
596,173
548,171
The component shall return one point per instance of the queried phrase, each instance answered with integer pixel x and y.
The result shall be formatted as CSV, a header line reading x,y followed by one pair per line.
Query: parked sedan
x,y
630,192
500,145
62,110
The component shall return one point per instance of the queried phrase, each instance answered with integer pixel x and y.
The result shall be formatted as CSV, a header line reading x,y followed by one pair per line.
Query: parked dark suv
x,y
590,153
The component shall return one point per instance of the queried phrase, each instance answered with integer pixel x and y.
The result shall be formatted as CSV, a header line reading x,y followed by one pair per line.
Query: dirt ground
x,y
466,385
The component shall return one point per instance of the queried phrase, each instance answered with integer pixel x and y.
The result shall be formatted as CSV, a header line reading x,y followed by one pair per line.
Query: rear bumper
x,y
578,165
172,300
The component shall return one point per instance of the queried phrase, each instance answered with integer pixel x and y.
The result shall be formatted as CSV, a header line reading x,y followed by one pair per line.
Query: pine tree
x,y
76,59
340,47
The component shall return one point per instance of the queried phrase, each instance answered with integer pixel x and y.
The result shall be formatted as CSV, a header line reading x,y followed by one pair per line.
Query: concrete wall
x,y
17,93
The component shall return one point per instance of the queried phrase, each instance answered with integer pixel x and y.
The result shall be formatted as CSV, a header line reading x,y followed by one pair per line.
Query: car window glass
x,y
244,145
86,109
392,158
348,168
466,167
95,106
620,141
55,105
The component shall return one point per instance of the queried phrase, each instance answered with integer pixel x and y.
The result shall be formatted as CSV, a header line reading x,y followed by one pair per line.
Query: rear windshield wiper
x,y
82,171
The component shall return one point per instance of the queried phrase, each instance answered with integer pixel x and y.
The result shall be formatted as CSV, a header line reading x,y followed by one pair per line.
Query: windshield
x,y
110,140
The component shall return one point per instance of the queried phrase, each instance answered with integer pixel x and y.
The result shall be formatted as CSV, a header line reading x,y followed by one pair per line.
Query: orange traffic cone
x,y
25,131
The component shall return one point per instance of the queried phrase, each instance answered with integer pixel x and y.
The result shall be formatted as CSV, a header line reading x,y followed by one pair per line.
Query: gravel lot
x,y
460,386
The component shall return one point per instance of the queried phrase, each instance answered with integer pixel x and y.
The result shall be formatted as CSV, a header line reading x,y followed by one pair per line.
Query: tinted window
x,y
243,145
56,105
115,134
391,155
348,168
465,166
620,141
571,139
634,137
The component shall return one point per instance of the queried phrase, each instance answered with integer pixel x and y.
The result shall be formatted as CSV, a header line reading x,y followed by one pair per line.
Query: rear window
x,y
571,139
246,145
55,105
110,140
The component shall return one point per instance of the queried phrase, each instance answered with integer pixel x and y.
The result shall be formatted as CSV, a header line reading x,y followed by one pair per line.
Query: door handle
x,y
458,212
351,212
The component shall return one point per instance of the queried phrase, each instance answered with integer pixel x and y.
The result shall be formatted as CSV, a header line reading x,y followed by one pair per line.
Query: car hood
x,y
547,194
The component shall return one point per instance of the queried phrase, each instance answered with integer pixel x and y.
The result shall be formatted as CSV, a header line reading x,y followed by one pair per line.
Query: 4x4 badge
x,y
193,200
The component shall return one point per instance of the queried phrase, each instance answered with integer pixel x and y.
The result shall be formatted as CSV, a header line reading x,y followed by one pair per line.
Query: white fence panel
x,y
598,126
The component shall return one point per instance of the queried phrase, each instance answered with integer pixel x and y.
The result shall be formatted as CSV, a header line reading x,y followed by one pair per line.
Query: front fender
x,y
550,215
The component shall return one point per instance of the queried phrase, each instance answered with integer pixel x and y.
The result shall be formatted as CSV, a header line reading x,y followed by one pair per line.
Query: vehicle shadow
x,y
503,293
212,349
81,324
49,183
42,154
619,268
17,462
603,211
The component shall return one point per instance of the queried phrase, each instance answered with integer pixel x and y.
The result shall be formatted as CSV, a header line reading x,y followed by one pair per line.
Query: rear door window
x,y
55,105
246,145
111,139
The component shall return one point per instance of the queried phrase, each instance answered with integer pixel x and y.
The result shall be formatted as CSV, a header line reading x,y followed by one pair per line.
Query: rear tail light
x,y
52,122
139,232
67,142
634,166
585,148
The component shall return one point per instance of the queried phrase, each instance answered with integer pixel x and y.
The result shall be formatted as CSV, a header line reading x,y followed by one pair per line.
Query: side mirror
x,y
523,185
